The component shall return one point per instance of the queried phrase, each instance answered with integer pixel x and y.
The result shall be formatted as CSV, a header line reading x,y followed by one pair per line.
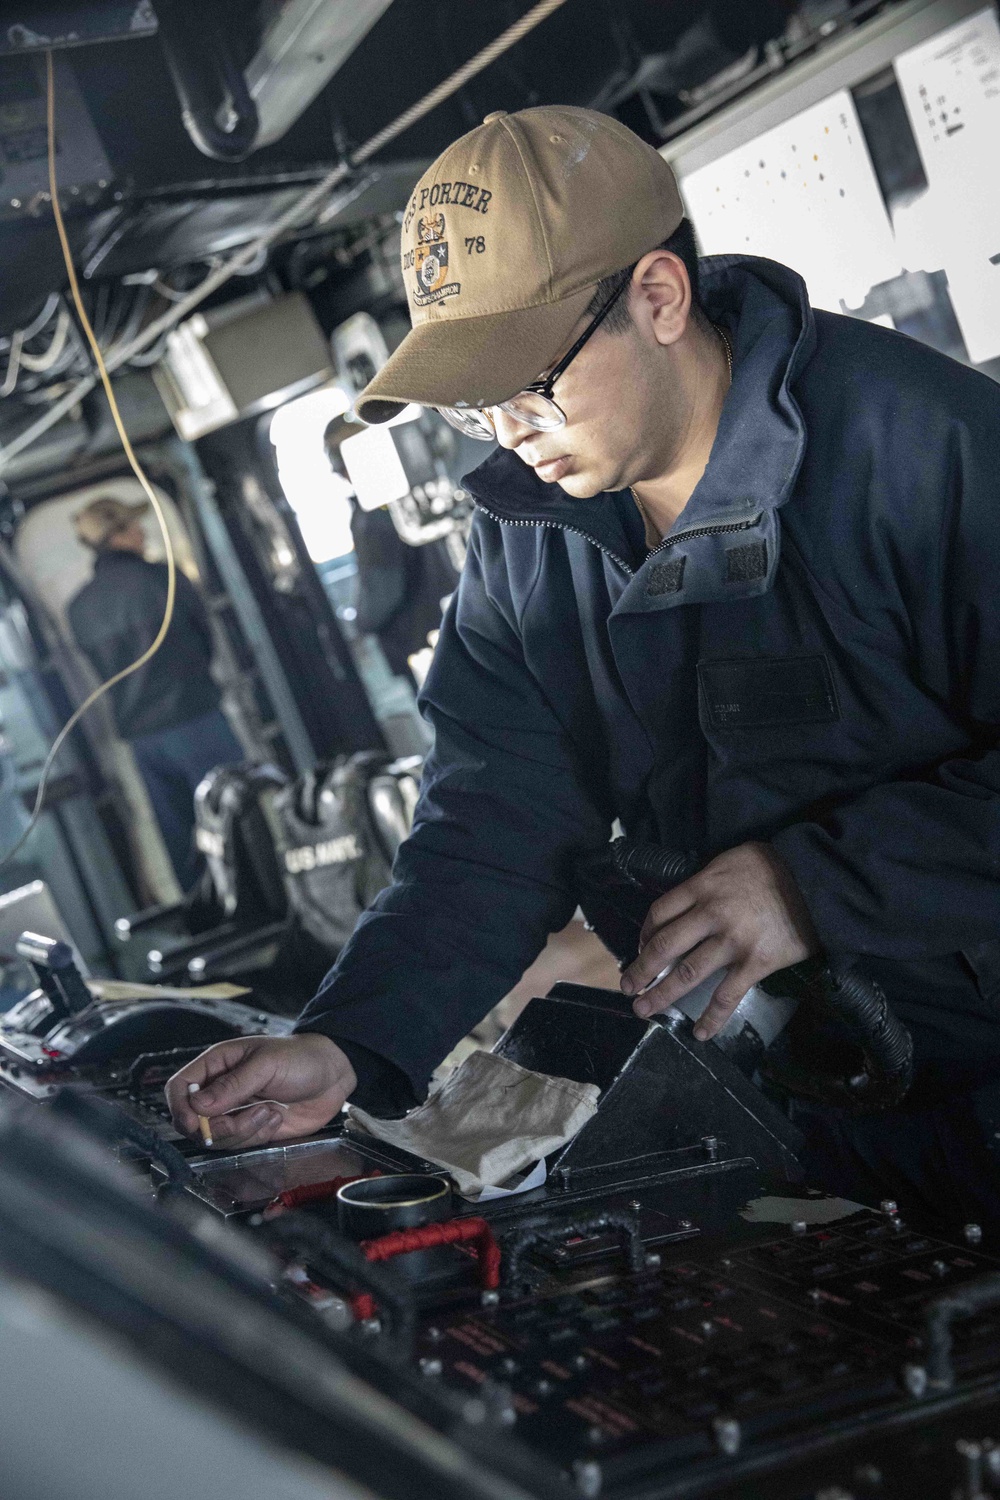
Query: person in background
x,y
169,710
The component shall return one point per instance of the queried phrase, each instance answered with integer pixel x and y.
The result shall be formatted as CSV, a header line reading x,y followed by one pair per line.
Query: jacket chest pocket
x,y
767,692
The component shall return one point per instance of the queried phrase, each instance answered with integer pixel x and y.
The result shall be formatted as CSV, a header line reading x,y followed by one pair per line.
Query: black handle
x,y
152,916
167,962
243,946
55,968
964,1302
337,1257
544,1232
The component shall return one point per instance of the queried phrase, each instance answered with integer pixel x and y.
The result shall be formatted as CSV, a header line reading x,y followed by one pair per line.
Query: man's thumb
x,y
238,1085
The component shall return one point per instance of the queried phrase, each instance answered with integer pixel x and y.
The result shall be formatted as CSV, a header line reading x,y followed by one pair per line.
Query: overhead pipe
x,y
218,112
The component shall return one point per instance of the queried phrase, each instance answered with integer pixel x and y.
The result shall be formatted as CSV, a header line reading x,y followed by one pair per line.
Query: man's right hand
x,y
307,1073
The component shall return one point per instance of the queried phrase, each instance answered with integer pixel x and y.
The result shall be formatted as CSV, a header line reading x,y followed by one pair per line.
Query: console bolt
x,y
973,1234
915,1379
728,1435
588,1479
972,1453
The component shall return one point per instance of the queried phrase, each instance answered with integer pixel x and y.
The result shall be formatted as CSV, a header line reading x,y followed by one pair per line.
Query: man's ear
x,y
660,296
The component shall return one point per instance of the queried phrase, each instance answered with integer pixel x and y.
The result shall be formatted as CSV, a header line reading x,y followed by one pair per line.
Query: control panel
x,y
62,1026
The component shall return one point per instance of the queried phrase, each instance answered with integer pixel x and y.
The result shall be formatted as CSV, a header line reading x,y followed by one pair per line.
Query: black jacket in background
x,y
116,616
400,587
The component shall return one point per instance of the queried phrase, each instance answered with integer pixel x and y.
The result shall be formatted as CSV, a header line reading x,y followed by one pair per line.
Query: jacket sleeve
x,y
486,874
911,868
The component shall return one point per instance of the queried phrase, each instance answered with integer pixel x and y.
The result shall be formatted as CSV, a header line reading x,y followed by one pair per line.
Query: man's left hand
x,y
743,913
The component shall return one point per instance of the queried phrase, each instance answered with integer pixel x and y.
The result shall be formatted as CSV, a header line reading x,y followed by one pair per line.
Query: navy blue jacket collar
x,y
725,543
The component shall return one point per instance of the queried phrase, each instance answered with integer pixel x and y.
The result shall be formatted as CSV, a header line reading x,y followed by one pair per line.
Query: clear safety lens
x,y
534,410
470,421
529,407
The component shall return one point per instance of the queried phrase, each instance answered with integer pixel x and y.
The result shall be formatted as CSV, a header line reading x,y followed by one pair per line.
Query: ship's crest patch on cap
x,y
431,262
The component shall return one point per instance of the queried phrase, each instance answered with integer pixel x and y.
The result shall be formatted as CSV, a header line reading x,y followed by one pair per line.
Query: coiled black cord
x,y
651,865
859,1005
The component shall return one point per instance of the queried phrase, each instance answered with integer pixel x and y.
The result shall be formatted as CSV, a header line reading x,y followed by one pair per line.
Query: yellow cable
x,y
137,470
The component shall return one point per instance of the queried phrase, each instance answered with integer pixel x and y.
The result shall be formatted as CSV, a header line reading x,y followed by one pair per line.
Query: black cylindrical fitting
x,y
374,1206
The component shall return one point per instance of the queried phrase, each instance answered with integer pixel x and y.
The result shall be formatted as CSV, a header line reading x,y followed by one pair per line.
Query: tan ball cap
x,y
97,522
503,242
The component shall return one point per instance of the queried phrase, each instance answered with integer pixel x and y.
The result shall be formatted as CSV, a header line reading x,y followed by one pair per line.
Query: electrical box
x,y
82,168
241,359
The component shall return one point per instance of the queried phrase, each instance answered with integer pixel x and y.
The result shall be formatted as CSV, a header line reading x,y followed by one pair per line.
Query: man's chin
x,y
579,486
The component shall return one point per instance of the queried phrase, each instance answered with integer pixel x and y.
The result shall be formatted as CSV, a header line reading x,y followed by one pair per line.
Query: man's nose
x,y
510,432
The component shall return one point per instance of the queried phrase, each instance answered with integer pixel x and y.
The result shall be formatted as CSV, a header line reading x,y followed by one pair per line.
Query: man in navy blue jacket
x,y
731,582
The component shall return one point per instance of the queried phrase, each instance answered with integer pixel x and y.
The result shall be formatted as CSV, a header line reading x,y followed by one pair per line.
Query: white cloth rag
x,y
488,1120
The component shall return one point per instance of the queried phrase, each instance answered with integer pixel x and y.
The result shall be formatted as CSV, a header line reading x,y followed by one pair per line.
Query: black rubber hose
x,y
859,1004
110,1123
652,866
194,48
346,1265
535,1232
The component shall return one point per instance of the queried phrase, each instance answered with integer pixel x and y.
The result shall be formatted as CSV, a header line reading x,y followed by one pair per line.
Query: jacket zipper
x,y
686,536
669,541
558,526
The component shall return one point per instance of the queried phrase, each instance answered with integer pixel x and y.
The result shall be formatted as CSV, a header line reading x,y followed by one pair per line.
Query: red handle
x,y
429,1237
312,1192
